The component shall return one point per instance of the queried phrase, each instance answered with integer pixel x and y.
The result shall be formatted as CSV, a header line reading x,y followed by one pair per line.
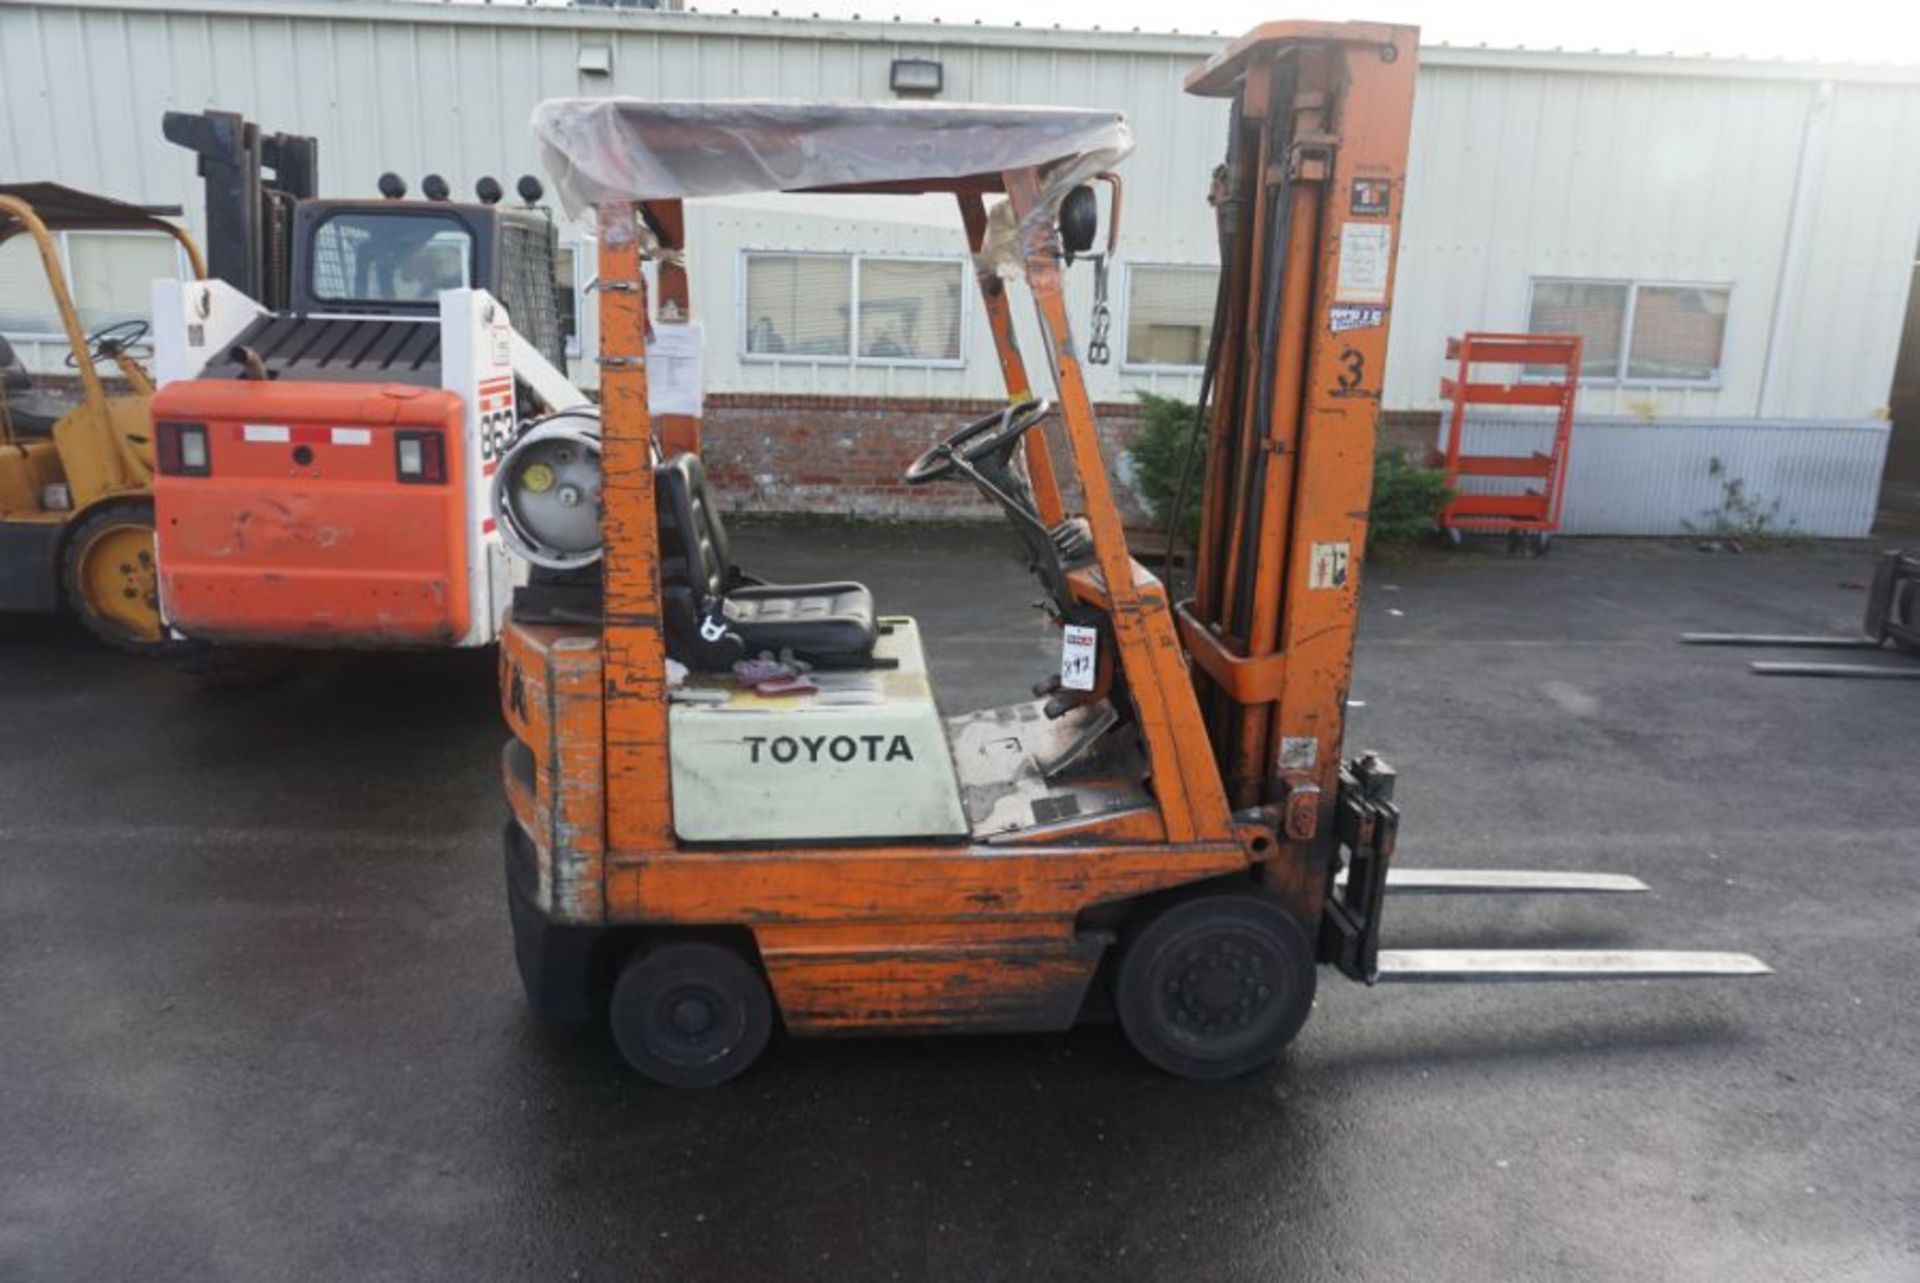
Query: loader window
x,y
390,258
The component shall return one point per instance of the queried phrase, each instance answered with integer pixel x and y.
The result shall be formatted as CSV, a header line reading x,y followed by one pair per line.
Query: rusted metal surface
x,y
638,778
899,884
983,978
1317,174
550,694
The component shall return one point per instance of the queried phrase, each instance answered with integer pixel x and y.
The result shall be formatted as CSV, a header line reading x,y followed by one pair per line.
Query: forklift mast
x,y
249,217
1308,205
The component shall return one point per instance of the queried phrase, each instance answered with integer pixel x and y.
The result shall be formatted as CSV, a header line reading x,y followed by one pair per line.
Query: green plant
x,y
1407,499
1158,453
1740,517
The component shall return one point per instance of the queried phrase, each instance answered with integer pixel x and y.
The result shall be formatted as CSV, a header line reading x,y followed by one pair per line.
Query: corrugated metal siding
x,y
1626,476
418,89
1523,164
1519,174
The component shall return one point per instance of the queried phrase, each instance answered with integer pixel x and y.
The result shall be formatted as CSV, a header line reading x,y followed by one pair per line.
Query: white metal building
x,y
1734,238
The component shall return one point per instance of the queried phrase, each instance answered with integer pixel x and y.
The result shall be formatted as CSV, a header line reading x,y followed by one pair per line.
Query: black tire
x,y
690,1014
109,581
1216,985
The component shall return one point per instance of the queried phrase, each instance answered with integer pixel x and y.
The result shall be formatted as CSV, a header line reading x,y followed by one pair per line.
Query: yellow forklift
x,y
76,460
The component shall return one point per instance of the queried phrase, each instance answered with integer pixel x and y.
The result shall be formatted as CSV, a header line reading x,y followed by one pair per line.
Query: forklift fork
x,y
1366,825
1892,622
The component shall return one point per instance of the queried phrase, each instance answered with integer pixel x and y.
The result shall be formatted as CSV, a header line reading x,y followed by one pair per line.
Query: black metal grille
x,y
530,289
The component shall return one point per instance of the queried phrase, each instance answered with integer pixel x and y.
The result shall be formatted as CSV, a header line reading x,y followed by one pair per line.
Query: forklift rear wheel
x,y
690,1014
1216,985
109,577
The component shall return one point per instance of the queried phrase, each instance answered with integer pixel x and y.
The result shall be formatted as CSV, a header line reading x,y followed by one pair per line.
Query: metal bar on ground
x,y
1778,639
1507,881
1766,668
1409,966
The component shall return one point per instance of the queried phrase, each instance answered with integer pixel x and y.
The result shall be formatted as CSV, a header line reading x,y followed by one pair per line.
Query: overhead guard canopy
x,y
628,149
64,208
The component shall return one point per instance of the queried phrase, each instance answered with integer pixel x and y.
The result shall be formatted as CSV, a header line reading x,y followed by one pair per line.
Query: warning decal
x,y
1370,197
1330,565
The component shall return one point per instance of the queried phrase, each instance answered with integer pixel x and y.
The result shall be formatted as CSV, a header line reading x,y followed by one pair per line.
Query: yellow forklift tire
x,y
109,579
690,1014
1215,985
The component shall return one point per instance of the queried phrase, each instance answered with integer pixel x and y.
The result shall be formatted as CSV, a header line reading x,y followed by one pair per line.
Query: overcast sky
x,y
1830,30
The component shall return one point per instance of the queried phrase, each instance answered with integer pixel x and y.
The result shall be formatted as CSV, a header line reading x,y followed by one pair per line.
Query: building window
x,y
1169,315
909,310
799,305
1678,333
868,309
1636,331
110,273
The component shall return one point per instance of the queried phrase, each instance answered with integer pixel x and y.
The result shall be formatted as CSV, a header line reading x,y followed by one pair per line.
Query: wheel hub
x,y
1219,986
692,1015
117,575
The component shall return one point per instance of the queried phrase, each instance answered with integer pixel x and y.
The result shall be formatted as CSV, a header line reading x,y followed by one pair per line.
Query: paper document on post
x,y
673,369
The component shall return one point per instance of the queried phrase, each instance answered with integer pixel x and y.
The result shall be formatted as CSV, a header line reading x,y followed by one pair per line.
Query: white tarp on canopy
x,y
626,149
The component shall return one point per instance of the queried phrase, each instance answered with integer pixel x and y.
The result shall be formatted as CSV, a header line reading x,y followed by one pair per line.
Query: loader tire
x,y
1215,985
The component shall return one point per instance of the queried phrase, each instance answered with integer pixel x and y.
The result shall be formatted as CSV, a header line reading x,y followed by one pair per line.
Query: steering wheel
x,y
977,440
109,341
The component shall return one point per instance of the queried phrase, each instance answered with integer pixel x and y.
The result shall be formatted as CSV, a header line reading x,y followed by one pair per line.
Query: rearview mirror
x,y
1079,221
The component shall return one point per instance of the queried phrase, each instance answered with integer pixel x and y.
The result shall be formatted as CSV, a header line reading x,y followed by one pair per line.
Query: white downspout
x,y
1793,250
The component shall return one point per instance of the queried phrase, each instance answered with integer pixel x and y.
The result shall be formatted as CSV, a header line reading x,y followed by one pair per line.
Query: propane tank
x,y
546,491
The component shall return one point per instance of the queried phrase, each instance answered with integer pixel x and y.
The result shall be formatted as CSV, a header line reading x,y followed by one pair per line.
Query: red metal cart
x,y
1523,492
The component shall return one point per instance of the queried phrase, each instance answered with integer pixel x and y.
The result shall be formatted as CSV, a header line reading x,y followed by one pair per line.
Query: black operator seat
x,y
714,614
30,410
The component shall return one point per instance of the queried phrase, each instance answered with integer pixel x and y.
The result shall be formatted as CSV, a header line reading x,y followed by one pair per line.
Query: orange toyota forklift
x,y
1168,833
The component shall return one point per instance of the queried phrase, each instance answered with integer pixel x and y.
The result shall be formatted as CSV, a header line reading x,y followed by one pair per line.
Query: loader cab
x,y
394,257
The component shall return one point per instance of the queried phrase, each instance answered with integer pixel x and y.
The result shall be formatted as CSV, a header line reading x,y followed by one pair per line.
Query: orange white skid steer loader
x,y
1170,833
333,405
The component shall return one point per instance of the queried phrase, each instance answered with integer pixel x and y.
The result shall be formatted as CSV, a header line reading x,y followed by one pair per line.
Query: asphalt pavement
x,y
259,1018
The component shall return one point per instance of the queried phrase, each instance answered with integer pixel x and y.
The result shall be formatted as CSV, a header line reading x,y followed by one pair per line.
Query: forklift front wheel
x,y
1216,985
689,1014
109,577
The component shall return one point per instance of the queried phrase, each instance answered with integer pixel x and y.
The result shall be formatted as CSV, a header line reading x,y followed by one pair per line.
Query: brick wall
x,y
844,456
1414,431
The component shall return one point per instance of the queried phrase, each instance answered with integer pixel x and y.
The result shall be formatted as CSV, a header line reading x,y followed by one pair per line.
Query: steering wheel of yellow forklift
x,y
109,341
977,440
